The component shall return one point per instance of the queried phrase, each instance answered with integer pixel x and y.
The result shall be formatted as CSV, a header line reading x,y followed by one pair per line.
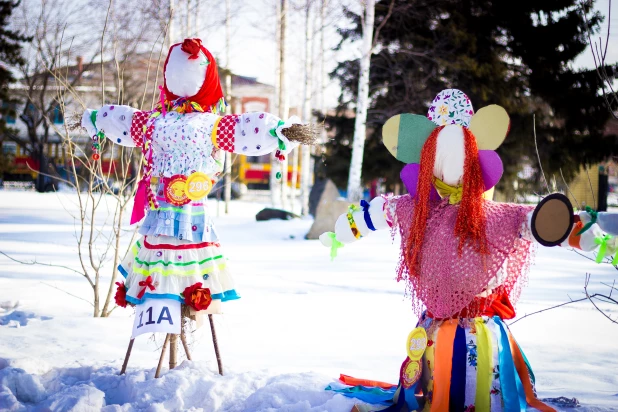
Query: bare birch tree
x,y
355,190
306,151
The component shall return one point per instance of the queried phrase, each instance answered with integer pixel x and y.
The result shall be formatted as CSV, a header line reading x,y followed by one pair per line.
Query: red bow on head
x,y
147,285
210,91
192,46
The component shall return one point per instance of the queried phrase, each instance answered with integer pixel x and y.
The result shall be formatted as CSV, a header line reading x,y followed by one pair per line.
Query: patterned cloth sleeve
x,y
253,134
115,121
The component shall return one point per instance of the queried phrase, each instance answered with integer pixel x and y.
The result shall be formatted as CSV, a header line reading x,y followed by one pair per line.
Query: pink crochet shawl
x,y
448,282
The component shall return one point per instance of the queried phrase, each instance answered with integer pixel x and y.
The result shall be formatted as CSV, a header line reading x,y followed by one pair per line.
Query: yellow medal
x,y
198,185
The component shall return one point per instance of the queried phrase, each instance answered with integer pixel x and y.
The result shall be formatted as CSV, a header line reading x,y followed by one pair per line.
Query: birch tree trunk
x,y
306,155
283,99
170,31
278,187
355,190
188,19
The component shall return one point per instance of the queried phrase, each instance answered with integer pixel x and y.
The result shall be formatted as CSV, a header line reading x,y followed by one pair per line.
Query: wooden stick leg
x,y
126,357
163,349
214,341
173,351
183,339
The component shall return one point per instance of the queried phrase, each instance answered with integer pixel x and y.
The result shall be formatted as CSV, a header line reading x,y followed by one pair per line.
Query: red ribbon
x,y
147,285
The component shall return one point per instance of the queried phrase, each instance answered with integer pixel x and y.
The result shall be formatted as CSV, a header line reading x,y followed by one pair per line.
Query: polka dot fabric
x,y
225,132
137,127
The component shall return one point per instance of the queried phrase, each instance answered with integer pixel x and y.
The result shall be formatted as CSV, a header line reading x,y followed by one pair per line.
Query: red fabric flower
x,y
192,46
210,91
197,297
121,295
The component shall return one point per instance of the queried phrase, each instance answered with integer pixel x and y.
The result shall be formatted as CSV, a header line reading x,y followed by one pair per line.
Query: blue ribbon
x,y
508,383
366,215
457,398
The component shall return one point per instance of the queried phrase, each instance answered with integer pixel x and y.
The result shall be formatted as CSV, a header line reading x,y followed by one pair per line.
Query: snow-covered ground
x,y
301,321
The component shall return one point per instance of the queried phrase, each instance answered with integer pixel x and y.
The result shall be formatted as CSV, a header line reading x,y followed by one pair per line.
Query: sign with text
x,y
157,315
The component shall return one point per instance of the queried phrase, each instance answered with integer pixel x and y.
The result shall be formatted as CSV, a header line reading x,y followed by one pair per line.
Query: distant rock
x,y
270,214
329,208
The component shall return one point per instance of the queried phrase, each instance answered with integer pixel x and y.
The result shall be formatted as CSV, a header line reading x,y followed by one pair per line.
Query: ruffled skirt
x,y
188,222
174,265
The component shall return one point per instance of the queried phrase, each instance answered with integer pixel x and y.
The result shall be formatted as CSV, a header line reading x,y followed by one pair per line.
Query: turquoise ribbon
x,y
593,220
602,242
334,245
508,381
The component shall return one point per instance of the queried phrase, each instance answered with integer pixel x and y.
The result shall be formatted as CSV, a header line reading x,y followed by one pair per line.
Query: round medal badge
x,y
410,372
416,343
198,185
175,190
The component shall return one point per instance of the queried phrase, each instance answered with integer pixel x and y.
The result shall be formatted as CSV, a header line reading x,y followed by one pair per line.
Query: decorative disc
x,y
175,190
198,185
410,372
416,343
552,220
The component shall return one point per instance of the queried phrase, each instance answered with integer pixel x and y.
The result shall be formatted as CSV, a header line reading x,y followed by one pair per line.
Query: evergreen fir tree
x,y
515,54
10,55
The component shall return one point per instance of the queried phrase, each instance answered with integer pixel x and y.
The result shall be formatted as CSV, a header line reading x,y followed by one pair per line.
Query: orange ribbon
x,y
443,367
522,371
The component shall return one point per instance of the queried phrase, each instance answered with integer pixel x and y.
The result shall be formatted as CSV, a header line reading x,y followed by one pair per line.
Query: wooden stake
x,y
214,341
173,351
183,339
126,357
163,349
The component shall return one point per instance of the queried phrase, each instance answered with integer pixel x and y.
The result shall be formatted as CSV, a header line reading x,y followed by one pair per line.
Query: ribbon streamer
x,y
273,133
147,284
367,216
334,245
602,242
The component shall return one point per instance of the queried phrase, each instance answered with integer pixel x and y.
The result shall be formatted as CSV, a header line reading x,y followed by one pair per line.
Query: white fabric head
x,y
184,77
450,155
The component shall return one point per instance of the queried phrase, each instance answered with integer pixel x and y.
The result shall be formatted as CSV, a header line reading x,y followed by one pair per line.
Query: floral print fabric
x,y
451,106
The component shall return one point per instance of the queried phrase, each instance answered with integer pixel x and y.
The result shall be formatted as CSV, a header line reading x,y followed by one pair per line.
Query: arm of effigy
x,y
359,222
253,134
114,122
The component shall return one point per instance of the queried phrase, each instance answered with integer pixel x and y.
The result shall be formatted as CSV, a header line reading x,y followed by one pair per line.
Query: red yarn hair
x,y
470,224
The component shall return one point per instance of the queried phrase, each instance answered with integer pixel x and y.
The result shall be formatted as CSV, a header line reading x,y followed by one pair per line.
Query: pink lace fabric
x,y
448,282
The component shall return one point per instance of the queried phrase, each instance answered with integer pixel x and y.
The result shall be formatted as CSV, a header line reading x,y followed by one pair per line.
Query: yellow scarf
x,y
454,193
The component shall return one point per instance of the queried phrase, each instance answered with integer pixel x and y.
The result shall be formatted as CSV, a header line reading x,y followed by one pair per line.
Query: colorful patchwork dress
x,y
180,246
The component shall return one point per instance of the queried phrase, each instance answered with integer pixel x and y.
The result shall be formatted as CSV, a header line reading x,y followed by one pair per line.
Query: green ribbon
x,y
334,246
593,220
93,118
602,242
354,208
273,133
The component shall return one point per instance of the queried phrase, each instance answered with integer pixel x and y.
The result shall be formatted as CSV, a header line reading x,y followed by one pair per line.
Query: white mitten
x,y
377,213
87,123
114,121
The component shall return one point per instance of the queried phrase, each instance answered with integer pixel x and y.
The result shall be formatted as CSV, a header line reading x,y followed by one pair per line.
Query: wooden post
x,y
163,349
173,350
183,339
126,357
214,341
